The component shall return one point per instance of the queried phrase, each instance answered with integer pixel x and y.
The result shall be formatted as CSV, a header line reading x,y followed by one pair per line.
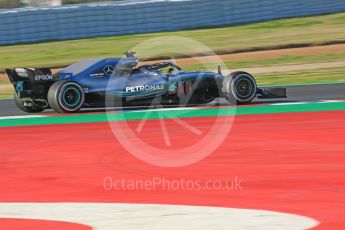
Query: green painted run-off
x,y
198,112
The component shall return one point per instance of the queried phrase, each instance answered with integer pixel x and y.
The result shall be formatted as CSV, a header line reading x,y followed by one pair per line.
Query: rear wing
x,y
29,74
30,82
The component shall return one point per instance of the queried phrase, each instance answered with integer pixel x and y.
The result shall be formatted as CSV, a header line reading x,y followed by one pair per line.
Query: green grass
x,y
325,75
6,95
311,30
282,60
5,88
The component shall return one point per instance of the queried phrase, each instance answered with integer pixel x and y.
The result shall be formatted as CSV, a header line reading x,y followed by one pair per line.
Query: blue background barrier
x,y
94,20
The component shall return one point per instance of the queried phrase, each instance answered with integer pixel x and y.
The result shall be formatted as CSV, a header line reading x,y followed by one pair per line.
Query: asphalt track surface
x,y
296,93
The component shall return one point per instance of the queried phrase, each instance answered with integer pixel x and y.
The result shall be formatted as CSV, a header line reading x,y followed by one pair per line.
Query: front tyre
x,y
28,109
239,88
66,97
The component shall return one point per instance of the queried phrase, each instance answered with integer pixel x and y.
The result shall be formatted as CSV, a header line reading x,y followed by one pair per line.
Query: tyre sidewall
x,y
56,95
250,79
230,91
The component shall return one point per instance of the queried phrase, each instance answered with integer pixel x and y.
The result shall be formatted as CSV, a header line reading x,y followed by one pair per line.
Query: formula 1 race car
x,y
89,83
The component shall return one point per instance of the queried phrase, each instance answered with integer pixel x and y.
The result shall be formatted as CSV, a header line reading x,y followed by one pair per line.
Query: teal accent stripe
x,y
202,112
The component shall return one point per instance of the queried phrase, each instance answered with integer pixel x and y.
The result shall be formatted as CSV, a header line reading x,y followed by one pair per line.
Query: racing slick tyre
x,y
66,97
239,88
28,109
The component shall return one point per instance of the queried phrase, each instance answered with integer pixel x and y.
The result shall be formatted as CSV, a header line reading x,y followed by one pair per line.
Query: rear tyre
x,y
66,97
28,109
239,88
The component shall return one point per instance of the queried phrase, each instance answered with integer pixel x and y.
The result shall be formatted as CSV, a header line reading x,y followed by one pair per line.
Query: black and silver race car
x,y
89,83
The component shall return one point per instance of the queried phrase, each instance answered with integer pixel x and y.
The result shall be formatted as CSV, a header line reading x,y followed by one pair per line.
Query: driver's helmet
x,y
126,65
173,71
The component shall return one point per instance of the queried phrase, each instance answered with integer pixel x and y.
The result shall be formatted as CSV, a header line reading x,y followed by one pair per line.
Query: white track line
x,y
110,216
308,102
162,109
21,117
331,101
